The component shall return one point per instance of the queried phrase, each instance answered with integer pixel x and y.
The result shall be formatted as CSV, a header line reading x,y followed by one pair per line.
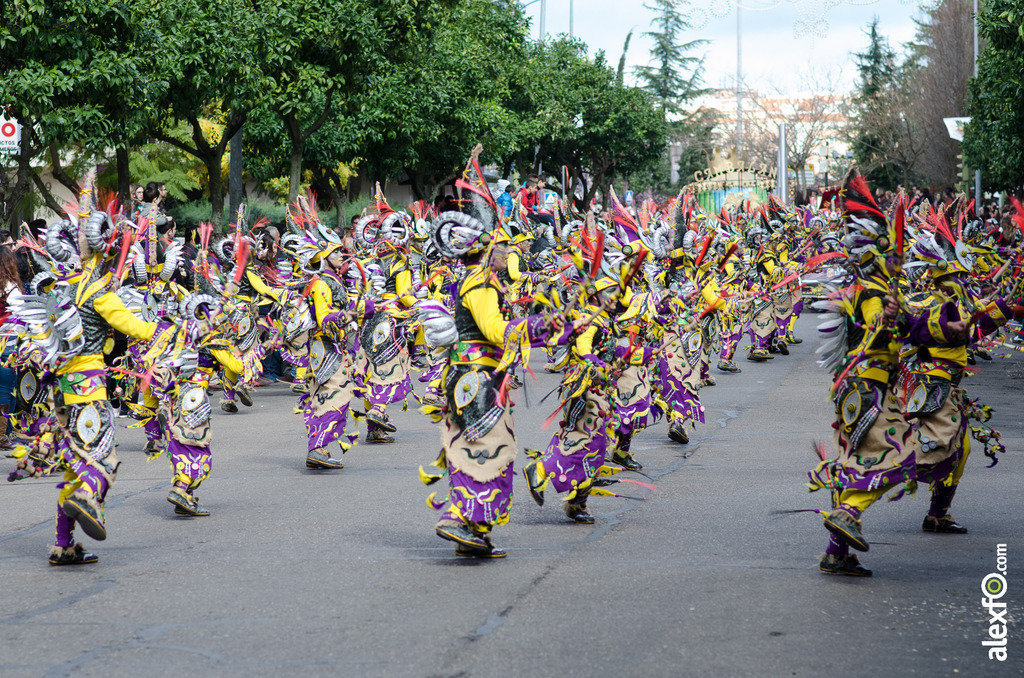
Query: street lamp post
x,y
739,80
543,15
782,173
826,163
977,172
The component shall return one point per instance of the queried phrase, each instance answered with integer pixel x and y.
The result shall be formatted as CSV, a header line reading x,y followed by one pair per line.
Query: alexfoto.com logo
x,y
994,588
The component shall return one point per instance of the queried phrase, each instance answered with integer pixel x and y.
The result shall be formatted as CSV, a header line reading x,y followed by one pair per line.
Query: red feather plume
x,y
241,259
1018,214
819,259
899,223
597,255
703,250
728,253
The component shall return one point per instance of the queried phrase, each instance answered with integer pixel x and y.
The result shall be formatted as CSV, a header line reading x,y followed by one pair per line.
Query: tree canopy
x,y
396,90
994,139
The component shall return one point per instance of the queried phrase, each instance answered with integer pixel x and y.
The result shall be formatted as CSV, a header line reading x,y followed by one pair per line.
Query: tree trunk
x,y
333,182
212,162
295,169
124,180
22,184
47,196
58,172
235,186
591,192
298,137
418,185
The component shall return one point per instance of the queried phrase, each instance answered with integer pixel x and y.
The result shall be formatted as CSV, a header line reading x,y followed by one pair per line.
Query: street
x,y
299,572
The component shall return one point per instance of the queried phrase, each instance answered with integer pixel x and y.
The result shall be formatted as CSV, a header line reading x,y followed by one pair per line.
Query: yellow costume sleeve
x,y
995,314
711,293
228,360
112,309
585,341
872,310
627,297
482,302
261,287
513,266
403,286
934,324
323,300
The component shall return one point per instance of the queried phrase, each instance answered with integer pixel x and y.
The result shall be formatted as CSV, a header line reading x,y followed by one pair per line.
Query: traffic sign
x,y
628,197
10,135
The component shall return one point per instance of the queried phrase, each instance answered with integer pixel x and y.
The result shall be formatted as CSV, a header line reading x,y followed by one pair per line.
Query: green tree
x,y
74,76
319,67
412,114
874,126
313,63
674,74
940,74
575,112
994,139
674,77
454,92
208,65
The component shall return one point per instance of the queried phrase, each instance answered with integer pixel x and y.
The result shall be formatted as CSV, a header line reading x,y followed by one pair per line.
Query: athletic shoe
x,y
71,555
841,523
943,525
319,460
847,565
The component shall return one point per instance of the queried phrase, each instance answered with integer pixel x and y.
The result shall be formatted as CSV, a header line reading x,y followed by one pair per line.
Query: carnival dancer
x,y
180,373
730,327
331,372
677,362
950,314
783,294
875,451
186,411
383,353
682,349
634,309
436,277
245,290
575,457
150,294
760,323
577,452
477,432
66,330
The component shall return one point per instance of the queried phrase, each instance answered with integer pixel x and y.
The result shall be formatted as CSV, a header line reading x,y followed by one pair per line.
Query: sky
x,y
782,39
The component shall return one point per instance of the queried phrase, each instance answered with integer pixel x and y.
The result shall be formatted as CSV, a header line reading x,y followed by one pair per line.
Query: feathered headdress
x,y
868,233
456,234
938,247
623,220
474,194
86,232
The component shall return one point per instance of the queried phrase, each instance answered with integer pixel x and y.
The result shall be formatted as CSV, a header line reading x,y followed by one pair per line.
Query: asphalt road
x,y
340,573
